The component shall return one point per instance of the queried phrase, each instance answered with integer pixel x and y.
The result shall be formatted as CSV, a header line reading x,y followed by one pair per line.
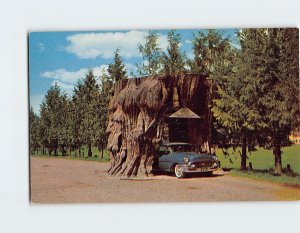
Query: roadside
x,y
73,181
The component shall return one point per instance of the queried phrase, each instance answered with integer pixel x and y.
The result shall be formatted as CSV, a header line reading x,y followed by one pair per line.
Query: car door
x,y
164,158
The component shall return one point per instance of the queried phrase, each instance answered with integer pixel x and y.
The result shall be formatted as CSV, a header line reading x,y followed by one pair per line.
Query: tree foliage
x,y
87,101
258,102
152,54
117,69
53,129
34,142
173,60
210,53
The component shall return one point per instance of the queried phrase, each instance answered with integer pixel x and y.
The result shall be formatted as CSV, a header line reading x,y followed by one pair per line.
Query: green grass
x,y
257,175
96,155
262,159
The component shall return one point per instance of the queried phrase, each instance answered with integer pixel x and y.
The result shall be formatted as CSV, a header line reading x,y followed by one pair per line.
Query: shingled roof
x,y
184,113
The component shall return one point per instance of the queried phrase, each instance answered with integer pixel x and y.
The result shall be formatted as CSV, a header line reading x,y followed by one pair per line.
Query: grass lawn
x,y
284,179
262,159
96,155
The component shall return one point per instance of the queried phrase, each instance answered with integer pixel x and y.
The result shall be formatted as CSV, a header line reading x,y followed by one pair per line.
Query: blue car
x,y
179,158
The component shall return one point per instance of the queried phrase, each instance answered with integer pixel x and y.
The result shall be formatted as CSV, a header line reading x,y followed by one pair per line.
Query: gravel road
x,y
74,181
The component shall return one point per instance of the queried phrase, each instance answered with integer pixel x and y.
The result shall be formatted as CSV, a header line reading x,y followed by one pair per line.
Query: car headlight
x,y
186,160
215,158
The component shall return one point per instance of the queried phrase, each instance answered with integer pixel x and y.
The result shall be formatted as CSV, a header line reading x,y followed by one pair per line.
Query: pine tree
x,y
117,69
52,130
105,87
34,141
86,99
280,88
235,108
173,60
257,102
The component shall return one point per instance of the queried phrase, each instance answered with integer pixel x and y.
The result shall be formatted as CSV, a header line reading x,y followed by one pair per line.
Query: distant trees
x,y
105,87
54,128
66,123
34,142
87,101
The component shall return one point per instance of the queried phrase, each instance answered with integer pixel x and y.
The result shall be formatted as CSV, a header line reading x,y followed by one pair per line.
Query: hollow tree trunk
x,y
112,162
138,110
277,157
244,154
90,151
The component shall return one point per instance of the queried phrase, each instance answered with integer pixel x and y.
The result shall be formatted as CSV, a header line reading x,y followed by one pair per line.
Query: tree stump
x,y
138,118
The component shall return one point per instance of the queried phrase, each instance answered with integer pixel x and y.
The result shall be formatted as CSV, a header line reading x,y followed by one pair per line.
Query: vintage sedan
x,y
179,158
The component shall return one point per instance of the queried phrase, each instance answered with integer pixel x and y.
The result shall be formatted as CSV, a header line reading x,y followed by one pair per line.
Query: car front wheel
x,y
179,171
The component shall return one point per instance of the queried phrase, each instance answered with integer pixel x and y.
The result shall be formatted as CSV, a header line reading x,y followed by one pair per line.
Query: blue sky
x,y
64,57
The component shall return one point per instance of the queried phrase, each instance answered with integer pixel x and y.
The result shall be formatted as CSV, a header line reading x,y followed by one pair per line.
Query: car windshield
x,y
181,148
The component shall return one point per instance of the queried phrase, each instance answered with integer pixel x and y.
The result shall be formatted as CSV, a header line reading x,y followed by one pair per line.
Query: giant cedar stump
x,y
143,112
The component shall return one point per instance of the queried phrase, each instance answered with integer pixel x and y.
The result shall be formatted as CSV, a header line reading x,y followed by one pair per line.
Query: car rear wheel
x,y
178,170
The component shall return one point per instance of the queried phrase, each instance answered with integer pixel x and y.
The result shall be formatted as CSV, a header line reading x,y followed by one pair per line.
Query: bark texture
x,y
138,119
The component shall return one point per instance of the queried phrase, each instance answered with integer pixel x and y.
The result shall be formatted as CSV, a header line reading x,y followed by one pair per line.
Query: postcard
x,y
189,115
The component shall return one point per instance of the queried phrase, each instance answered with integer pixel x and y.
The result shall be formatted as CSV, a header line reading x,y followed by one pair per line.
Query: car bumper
x,y
190,169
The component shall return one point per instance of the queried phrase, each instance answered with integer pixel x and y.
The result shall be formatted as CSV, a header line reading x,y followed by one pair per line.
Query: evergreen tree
x,y
106,85
88,109
235,108
279,81
173,61
152,54
117,69
34,141
52,130
258,101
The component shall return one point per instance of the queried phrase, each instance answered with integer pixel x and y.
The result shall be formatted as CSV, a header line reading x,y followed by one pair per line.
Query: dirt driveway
x,y
71,181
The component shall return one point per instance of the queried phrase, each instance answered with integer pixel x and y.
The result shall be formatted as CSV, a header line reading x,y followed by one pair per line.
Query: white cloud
x,y
67,88
188,41
93,45
71,77
190,54
35,101
130,68
67,79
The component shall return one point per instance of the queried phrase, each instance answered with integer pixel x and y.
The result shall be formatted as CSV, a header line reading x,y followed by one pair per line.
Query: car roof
x,y
174,143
